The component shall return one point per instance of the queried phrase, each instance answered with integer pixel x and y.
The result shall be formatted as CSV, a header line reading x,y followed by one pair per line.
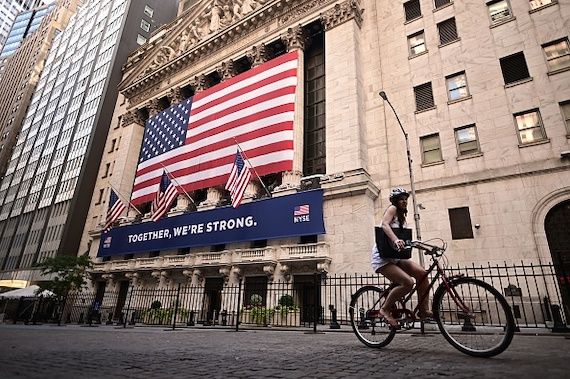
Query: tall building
x,y
21,70
9,9
25,24
49,181
482,91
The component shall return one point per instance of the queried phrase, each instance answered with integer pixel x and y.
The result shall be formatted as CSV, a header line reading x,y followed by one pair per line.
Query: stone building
x,y
482,90
49,179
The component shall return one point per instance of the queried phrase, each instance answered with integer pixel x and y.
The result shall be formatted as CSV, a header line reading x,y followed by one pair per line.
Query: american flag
x,y
301,210
165,195
195,140
238,179
116,207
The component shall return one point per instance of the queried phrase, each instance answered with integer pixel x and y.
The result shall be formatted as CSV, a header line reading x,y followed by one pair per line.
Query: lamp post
x,y
412,184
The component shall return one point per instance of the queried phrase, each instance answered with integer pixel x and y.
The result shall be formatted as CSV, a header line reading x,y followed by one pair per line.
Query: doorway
x,y
121,299
308,290
556,226
212,299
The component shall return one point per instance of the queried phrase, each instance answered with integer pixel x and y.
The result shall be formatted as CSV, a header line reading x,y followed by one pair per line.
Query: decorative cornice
x,y
341,13
284,11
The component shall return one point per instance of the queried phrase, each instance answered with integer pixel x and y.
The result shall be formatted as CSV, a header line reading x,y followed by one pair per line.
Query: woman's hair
x,y
401,214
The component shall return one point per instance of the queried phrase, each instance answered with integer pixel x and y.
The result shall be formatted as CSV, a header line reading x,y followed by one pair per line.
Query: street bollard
x,y
191,319
224,315
334,322
559,325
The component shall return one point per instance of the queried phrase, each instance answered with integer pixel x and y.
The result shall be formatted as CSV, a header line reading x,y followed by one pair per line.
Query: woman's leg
x,y
419,273
404,285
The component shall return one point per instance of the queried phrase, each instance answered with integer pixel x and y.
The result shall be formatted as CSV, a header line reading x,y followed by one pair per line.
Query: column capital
x,y
132,117
342,13
257,55
199,83
175,95
295,38
226,70
153,107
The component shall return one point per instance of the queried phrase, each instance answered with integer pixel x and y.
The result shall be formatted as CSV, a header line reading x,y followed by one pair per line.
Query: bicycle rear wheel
x,y
366,323
474,317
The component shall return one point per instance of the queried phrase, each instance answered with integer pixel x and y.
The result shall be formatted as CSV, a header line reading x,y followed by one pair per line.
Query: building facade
x,y
50,176
25,24
9,10
23,68
482,91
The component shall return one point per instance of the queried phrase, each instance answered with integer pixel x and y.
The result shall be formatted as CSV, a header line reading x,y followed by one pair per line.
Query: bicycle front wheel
x,y
366,322
474,317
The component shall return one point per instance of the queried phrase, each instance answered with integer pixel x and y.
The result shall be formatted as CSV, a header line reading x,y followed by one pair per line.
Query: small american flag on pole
x,y
238,180
116,207
195,140
165,195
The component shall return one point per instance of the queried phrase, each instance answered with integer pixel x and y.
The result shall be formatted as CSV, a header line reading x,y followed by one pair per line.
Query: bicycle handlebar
x,y
427,248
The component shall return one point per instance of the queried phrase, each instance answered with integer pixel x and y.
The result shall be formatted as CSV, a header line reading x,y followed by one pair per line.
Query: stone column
x,y
295,39
257,55
226,70
345,137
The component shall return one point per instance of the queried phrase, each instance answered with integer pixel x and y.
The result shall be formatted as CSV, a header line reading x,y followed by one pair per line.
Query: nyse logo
x,y
302,213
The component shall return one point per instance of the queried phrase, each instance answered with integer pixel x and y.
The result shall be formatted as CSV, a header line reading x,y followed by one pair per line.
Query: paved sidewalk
x,y
107,352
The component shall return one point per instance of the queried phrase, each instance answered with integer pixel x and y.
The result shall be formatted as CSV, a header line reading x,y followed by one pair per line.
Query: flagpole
x,y
178,184
251,166
131,204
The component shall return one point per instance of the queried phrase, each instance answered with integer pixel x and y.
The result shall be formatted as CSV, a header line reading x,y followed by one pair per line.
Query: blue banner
x,y
287,216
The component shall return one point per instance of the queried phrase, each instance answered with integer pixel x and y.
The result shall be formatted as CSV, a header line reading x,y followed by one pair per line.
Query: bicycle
x,y
471,314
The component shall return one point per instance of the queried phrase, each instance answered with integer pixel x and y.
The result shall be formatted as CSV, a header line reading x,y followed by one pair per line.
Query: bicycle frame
x,y
445,280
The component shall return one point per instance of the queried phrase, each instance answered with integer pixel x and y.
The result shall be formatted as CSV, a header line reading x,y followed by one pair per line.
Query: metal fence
x,y
532,291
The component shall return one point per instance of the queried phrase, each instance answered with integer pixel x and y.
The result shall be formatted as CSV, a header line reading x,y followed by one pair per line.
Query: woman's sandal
x,y
389,319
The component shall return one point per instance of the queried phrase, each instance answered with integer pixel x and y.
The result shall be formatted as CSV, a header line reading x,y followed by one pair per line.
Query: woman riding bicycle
x,y
400,271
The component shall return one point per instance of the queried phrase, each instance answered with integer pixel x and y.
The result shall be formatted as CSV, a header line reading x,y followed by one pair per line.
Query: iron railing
x,y
533,292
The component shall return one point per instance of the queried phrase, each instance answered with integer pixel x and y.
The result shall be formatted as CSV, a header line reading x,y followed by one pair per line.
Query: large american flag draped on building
x,y
164,197
238,180
196,139
116,207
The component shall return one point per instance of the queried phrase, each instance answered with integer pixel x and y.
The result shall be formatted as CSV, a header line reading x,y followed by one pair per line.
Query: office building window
x,y
148,11
514,68
565,108
457,86
441,3
467,141
140,39
431,149
529,127
412,10
145,25
447,31
460,223
424,97
535,4
417,43
499,11
557,54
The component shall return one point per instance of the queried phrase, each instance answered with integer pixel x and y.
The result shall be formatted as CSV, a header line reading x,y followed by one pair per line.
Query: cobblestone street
x,y
104,352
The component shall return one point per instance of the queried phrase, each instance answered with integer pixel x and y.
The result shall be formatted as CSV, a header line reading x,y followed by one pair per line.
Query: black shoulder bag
x,y
386,247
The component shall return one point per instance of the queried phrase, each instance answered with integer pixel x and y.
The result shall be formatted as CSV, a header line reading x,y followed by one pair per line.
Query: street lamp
x,y
412,184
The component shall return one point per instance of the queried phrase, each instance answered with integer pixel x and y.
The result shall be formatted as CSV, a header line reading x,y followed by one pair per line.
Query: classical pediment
x,y
210,25
204,20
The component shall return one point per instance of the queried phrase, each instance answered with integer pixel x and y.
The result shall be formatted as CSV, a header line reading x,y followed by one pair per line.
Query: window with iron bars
x,y
412,10
514,68
441,3
447,31
424,97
